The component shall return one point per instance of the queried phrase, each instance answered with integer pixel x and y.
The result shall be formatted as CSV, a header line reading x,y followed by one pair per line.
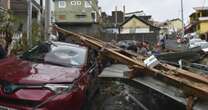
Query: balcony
x,y
203,18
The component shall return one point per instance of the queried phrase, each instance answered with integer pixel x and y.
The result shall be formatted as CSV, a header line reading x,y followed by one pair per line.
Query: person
x,y
2,52
139,47
156,51
162,41
142,49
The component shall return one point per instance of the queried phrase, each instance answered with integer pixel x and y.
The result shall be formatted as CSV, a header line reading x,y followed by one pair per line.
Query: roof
x,y
137,13
140,19
176,19
134,12
192,14
200,8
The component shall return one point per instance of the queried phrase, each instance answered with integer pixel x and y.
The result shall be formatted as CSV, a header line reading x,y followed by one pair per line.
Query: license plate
x,y
6,108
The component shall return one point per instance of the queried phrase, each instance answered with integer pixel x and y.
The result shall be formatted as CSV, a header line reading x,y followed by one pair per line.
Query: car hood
x,y
23,72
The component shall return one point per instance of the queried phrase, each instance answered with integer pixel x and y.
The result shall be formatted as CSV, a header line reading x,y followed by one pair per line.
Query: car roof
x,y
195,39
68,44
203,41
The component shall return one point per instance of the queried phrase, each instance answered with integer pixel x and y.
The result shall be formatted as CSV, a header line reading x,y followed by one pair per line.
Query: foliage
x,y
22,46
7,26
12,26
36,33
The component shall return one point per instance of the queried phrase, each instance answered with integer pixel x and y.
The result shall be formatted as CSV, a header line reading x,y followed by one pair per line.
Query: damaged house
x,y
132,26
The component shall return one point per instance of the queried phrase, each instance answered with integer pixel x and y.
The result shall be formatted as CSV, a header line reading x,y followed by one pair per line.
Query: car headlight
x,y
59,88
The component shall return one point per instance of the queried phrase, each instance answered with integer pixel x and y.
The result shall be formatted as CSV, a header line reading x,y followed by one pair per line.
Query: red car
x,y
50,76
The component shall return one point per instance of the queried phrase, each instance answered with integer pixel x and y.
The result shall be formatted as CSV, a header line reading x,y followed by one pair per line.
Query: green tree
x,y
7,26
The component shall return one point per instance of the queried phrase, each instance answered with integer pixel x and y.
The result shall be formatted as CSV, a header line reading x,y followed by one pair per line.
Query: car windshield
x,y
57,53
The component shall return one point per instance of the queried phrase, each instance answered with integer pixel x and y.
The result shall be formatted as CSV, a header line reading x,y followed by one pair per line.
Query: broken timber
x,y
193,85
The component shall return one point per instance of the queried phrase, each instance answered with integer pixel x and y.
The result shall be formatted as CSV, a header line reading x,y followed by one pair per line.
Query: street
x,y
171,44
103,55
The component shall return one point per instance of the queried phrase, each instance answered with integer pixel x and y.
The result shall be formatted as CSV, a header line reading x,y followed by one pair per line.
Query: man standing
x,y
162,41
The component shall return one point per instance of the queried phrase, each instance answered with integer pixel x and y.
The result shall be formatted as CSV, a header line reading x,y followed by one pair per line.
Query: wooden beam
x,y
192,84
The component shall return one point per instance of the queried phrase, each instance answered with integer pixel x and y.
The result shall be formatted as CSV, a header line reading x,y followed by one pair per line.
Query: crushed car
x,y
50,76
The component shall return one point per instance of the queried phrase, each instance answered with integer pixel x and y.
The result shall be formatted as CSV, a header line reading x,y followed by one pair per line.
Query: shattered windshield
x,y
57,53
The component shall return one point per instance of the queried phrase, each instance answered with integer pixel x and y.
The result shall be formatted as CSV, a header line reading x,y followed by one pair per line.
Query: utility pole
x,y
182,17
116,22
47,18
124,11
29,23
41,4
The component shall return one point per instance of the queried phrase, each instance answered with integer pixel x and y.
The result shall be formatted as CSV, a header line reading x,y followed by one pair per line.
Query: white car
x,y
203,45
195,42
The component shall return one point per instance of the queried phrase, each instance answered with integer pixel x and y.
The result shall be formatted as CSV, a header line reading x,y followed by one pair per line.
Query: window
x,y
132,30
88,4
73,3
79,3
81,17
62,4
94,17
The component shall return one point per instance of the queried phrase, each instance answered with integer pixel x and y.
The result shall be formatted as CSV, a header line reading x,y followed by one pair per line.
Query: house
x,y
19,9
136,28
198,21
130,26
76,11
136,24
113,22
77,15
175,25
170,27
117,17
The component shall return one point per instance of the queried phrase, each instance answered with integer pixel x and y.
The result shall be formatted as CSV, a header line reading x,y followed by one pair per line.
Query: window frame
x,y
94,18
88,4
62,4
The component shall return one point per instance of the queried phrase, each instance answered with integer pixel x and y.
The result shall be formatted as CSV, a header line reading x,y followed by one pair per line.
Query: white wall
x,y
135,30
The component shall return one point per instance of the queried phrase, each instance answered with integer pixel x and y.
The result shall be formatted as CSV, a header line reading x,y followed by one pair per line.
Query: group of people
x,y
145,49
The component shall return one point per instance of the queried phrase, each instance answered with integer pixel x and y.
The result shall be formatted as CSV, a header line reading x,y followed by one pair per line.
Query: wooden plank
x,y
189,82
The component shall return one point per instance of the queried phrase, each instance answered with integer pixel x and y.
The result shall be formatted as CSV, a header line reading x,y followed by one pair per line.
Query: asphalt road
x,y
173,45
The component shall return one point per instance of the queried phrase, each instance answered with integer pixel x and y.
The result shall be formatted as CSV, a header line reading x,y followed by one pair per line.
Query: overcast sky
x,y
159,9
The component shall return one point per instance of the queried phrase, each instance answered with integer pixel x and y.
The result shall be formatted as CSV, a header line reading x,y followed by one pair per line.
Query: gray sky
x,y
159,9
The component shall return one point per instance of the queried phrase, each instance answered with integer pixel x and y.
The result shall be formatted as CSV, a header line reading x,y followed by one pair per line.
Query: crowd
x,y
145,49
